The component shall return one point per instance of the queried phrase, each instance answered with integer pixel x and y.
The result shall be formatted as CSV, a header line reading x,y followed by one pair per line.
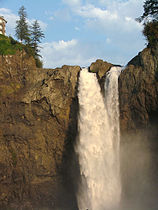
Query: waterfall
x,y
98,142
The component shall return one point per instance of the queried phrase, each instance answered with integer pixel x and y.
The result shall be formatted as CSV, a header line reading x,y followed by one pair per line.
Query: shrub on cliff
x,y
8,46
150,22
150,31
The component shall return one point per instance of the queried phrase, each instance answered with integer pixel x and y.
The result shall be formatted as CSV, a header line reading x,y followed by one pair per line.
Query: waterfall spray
x,y
98,145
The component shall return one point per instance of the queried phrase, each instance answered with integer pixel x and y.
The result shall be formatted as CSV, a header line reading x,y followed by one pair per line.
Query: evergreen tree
x,y
22,28
150,11
36,36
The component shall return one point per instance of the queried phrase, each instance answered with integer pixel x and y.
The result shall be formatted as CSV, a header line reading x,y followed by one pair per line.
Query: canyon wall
x,y
38,125
38,111
138,88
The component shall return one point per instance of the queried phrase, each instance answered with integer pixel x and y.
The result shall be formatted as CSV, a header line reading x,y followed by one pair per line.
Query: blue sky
x,y
77,32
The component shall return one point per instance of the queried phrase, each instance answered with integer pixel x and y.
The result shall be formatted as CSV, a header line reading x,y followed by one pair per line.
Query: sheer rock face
x,y
138,88
35,117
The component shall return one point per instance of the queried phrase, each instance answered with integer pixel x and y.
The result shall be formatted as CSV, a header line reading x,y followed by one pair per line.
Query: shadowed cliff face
x,y
138,88
35,116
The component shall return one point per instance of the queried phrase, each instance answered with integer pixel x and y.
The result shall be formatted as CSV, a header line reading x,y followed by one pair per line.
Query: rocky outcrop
x,y
138,88
100,67
37,109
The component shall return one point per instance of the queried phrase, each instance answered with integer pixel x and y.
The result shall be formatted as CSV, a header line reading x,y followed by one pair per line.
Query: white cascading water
x,y
98,142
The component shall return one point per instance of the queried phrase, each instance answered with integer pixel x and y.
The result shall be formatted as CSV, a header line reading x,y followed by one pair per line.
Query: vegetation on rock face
x,y
150,22
29,37
150,31
8,46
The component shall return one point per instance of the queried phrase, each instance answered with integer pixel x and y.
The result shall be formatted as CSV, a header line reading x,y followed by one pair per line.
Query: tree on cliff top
x,y
36,36
150,22
22,28
29,35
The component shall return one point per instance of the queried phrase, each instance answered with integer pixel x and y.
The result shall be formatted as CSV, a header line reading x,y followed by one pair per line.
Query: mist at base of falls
x,y
114,176
137,173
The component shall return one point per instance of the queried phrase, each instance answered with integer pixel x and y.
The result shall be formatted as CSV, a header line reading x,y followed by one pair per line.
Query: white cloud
x,y
61,45
118,14
131,8
56,54
4,10
90,11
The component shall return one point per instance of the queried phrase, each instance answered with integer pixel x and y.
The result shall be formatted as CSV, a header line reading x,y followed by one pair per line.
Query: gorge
x,y
39,108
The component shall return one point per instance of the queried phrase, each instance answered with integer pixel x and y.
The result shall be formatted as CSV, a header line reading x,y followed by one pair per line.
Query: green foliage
x,y
36,36
30,37
29,50
8,46
22,28
150,31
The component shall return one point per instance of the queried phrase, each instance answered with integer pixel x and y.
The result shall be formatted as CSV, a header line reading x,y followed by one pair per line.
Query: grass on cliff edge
x,y
9,46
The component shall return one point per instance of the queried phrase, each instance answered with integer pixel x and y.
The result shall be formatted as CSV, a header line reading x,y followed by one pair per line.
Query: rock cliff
x,y
38,125
138,88
37,109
